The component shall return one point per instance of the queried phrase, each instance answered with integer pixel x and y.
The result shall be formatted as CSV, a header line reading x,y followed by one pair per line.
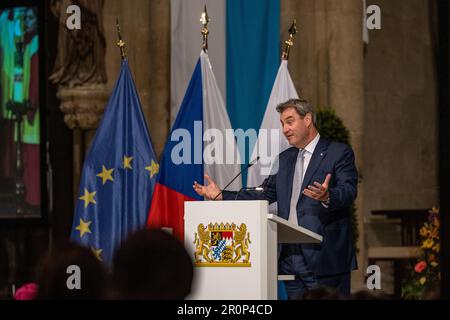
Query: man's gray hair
x,y
303,107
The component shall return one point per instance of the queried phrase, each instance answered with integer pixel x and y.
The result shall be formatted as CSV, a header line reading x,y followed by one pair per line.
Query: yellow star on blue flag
x,y
127,162
88,197
83,227
153,169
106,174
97,253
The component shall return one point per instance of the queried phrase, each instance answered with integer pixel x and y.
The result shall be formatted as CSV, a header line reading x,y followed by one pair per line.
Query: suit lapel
x,y
317,157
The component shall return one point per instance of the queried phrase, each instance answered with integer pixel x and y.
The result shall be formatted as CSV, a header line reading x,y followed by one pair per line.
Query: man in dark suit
x,y
314,187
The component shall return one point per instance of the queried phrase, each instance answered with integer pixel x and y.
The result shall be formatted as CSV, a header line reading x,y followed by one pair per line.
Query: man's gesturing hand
x,y
209,191
318,191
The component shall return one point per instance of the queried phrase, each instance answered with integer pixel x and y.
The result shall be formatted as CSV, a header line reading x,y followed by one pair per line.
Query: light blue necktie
x,y
296,187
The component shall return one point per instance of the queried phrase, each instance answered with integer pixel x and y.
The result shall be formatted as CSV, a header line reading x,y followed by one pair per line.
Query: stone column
x,y
83,108
79,72
346,92
159,102
326,64
145,27
309,57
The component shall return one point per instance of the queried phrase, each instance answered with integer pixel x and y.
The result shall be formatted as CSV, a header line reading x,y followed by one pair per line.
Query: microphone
x,y
246,168
260,188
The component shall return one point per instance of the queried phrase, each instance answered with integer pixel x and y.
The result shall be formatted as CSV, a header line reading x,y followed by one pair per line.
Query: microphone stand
x,y
248,166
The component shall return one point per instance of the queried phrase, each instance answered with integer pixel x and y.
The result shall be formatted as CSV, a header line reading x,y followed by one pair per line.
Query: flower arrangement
x,y
425,273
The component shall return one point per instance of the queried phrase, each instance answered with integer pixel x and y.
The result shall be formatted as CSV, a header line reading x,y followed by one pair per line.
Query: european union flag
x,y
118,176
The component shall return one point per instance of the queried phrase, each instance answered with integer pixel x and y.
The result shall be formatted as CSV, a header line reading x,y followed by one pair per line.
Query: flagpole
x,y
120,43
290,42
204,19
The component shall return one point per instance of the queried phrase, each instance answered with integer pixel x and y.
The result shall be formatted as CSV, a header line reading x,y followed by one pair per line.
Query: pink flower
x,y
26,292
420,266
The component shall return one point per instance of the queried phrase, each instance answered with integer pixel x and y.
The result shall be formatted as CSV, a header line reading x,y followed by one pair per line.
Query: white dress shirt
x,y
309,150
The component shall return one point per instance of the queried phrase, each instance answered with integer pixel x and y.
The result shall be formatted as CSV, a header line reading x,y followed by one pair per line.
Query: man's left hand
x,y
318,191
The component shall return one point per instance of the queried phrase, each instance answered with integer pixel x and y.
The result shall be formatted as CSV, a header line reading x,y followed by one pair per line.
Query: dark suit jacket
x,y
336,253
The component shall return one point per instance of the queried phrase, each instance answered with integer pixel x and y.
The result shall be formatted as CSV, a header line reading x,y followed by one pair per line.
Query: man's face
x,y
295,128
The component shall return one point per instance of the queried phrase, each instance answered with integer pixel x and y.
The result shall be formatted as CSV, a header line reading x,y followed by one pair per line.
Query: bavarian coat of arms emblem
x,y
222,245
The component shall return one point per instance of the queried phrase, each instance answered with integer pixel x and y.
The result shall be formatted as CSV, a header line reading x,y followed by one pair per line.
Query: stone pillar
x,y
79,72
346,92
326,64
145,27
309,57
159,101
83,108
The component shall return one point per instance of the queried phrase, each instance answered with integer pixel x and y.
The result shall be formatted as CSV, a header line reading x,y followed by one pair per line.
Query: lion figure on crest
x,y
201,244
241,241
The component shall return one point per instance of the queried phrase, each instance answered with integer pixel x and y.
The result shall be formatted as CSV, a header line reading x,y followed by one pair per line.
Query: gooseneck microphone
x,y
246,168
260,188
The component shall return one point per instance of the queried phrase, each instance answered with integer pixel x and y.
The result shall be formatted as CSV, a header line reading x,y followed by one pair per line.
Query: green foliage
x,y
332,128
411,290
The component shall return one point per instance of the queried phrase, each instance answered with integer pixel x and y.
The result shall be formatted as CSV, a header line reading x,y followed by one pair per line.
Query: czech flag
x,y
201,141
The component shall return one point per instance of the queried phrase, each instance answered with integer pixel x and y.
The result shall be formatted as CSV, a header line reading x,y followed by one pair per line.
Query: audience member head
x,y
53,277
322,293
26,292
152,264
369,295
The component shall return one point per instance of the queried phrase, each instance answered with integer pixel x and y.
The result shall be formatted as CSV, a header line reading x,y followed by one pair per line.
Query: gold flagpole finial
x,y
120,43
290,42
205,20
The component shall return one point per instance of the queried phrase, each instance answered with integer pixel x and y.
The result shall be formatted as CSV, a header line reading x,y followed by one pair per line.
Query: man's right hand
x,y
209,191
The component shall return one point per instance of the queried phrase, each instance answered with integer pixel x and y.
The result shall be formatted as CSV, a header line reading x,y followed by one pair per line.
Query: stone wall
x,y
400,119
